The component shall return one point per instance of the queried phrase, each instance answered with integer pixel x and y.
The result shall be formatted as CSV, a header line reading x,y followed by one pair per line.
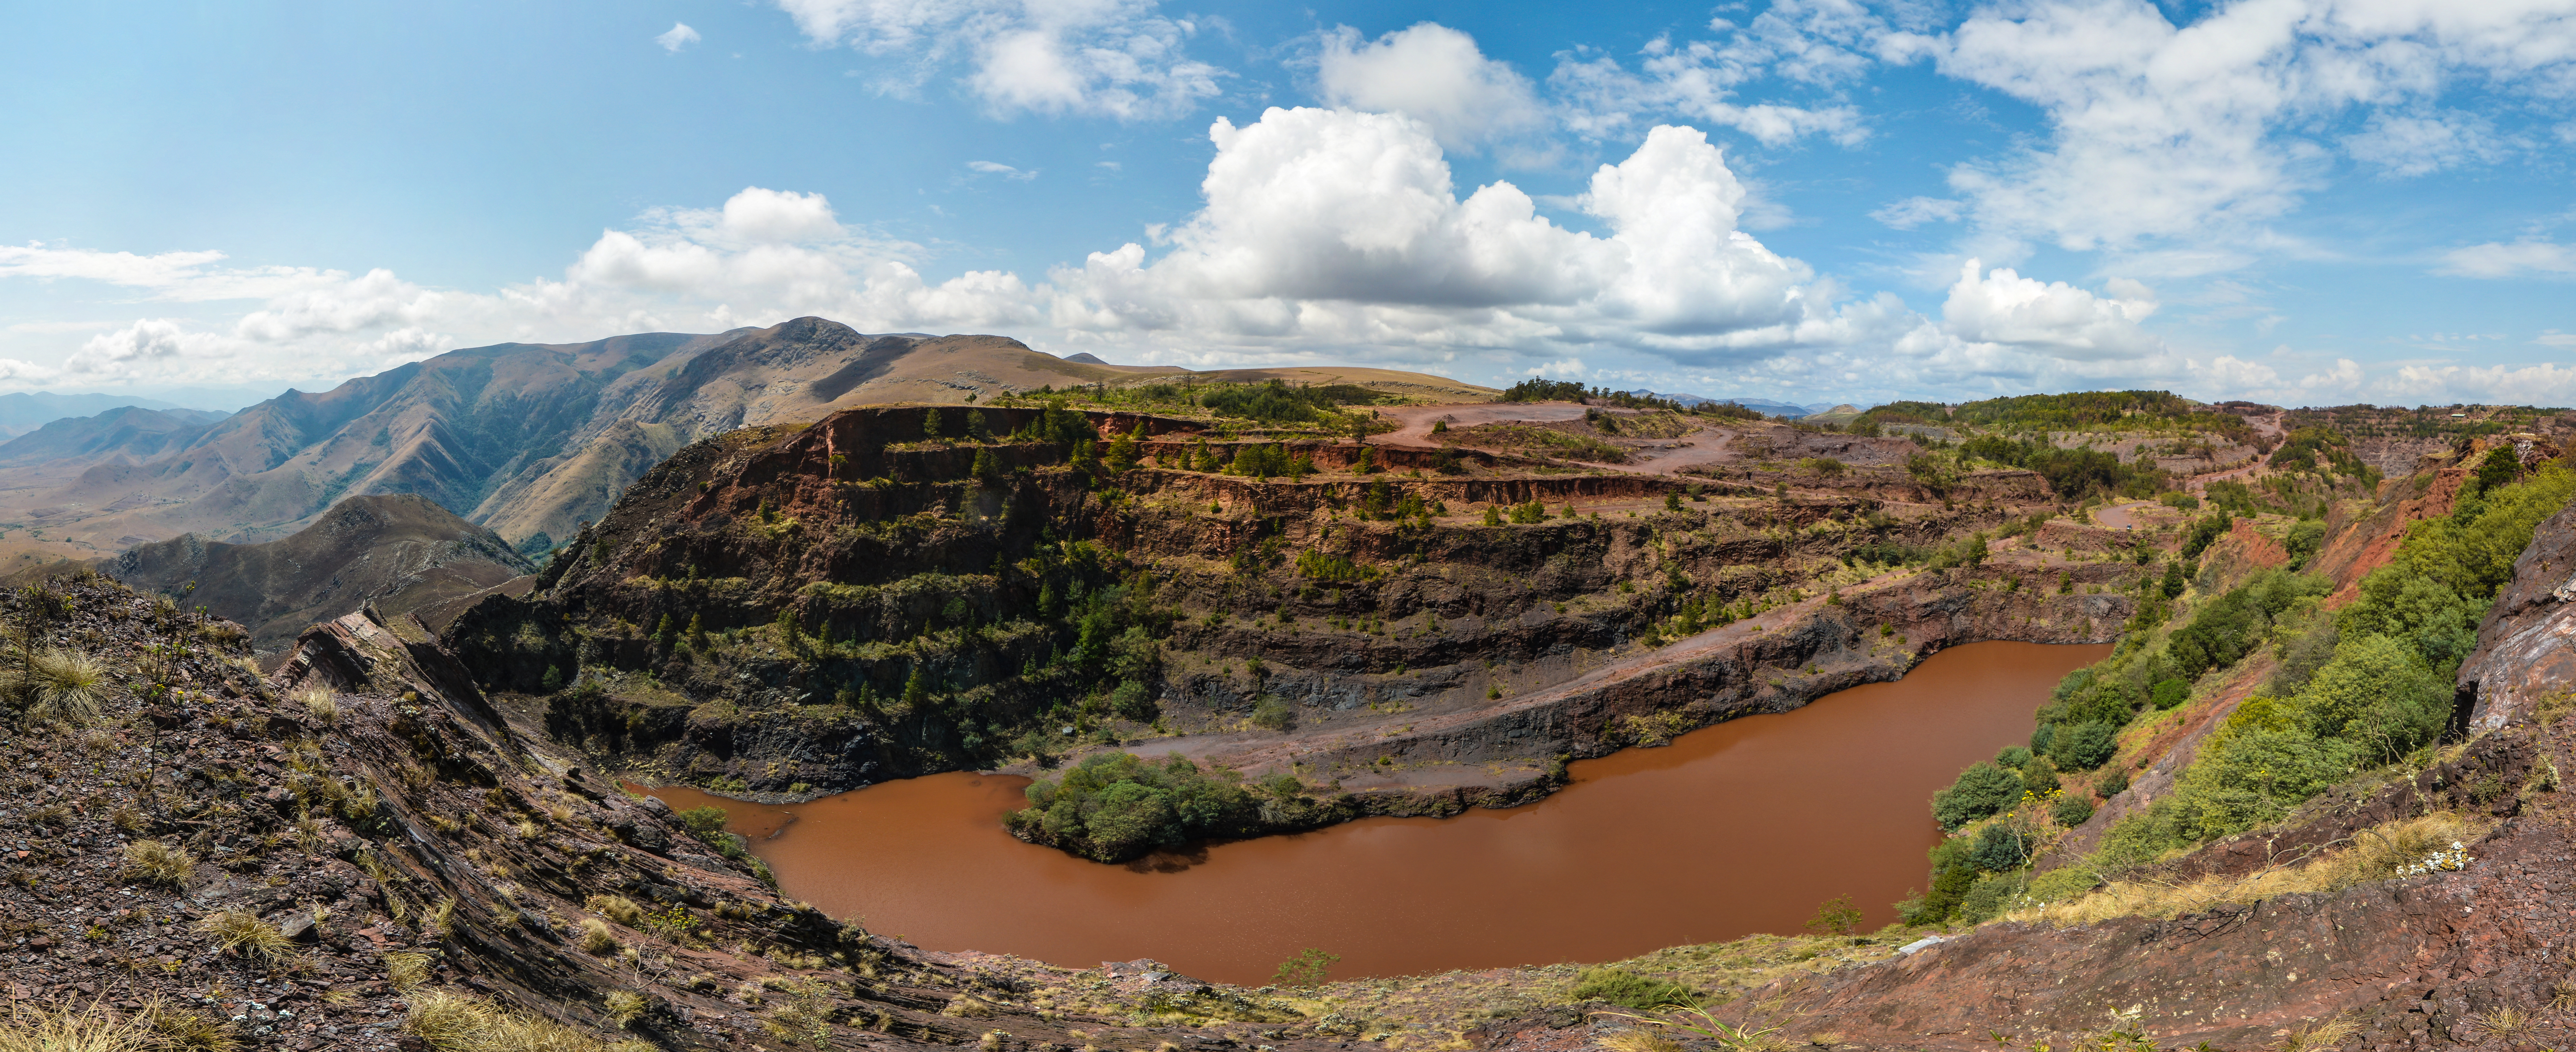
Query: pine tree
x,y
916,690
697,632
930,423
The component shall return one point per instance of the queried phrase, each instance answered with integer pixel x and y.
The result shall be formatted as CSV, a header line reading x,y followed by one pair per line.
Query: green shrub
x,y
2059,885
2039,776
2070,810
1999,847
1116,806
2112,783
1273,713
1982,790
2378,694
2304,541
2169,693
2083,746
1133,701
1620,986
1991,896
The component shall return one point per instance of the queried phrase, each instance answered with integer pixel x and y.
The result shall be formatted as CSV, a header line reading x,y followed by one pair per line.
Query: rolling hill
x,y
399,552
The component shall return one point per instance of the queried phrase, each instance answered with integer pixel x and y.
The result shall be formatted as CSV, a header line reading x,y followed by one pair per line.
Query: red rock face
x,y
2527,646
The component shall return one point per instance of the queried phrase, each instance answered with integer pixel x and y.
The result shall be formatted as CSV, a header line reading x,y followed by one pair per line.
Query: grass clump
x,y
63,685
91,1029
624,1007
242,932
1643,993
618,908
451,1022
159,862
180,1030
322,704
406,970
597,938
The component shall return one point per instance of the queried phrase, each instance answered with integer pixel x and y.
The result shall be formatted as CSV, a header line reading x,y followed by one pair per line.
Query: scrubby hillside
x,y
787,612
358,854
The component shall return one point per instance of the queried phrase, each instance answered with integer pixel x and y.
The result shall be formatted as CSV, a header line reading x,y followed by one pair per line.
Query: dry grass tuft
x,y
92,1029
2317,1035
158,862
62,685
181,1030
2377,853
967,1006
450,1022
625,1007
618,908
597,938
1639,1041
321,703
243,932
2505,1023
406,970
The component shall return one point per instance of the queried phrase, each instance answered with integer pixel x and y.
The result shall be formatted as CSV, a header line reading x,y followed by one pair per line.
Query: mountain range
x,y
25,411
527,440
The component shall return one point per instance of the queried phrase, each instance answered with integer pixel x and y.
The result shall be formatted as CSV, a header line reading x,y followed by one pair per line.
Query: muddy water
x,y
1739,828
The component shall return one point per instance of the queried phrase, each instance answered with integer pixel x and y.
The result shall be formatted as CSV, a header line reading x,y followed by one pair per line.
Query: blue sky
x,y
2299,201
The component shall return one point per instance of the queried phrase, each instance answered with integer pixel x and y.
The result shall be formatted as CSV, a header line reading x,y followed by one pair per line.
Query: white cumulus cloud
x,y
1433,74
677,37
2052,318
1335,228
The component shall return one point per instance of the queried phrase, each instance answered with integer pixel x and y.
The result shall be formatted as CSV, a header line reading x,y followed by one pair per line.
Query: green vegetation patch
x,y
1116,806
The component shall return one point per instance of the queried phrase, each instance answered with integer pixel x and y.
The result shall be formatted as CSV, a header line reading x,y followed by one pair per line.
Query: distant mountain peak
x,y
1085,357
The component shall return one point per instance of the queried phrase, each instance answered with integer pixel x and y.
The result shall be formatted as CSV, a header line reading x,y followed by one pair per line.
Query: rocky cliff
x,y
787,612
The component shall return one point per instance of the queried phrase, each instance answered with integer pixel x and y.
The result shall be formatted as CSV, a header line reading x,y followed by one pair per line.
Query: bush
x,y
2060,885
2304,541
2112,783
2071,810
1133,701
2377,693
2039,776
1999,847
2169,693
2083,746
1982,790
1274,714
1620,986
1991,896
1116,806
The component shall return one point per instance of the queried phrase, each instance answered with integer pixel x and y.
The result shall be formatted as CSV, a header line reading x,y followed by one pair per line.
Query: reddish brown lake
x,y
1739,828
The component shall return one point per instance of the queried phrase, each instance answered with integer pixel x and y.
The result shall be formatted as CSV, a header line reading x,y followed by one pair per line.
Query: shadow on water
x,y
1738,828
1171,860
